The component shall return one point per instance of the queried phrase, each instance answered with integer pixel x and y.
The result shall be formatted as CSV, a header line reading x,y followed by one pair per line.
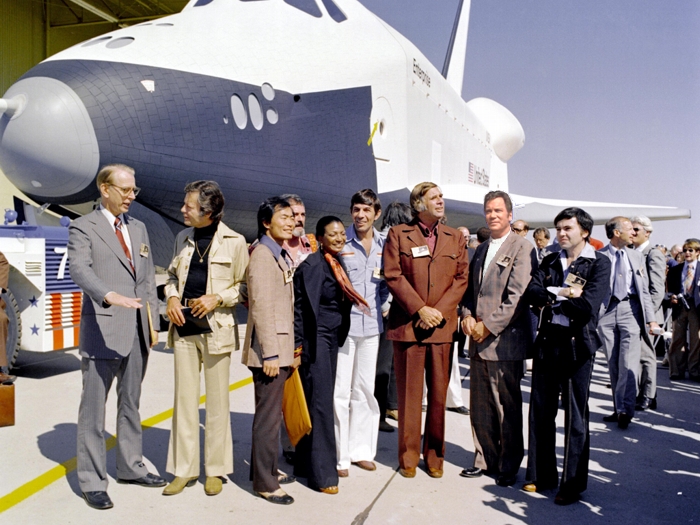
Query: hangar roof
x,y
64,13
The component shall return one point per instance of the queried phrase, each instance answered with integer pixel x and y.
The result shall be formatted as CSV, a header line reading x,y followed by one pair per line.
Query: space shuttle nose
x,y
48,146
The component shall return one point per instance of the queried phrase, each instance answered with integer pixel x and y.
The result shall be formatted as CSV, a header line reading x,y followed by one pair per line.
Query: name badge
x,y
420,251
288,276
143,251
378,273
504,260
574,281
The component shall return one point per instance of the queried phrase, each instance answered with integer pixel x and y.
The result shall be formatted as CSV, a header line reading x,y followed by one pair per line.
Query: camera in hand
x,y
683,301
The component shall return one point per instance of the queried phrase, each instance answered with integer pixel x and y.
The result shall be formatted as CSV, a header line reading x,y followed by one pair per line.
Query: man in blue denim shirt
x,y
356,408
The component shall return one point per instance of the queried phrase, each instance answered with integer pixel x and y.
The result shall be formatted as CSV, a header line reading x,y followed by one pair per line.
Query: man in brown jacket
x,y
269,343
425,265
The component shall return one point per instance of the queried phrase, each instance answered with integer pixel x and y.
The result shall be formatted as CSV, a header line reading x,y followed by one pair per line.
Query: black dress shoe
x,y
623,421
643,404
460,410
563,498
472,472
612,418
288,456
285,479
385,427
676,377
284,499
652,403
149,480
98,500
506,480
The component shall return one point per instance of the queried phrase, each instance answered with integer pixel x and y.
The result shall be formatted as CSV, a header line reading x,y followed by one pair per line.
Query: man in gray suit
x,y
110,260
656,271
498,321
625,314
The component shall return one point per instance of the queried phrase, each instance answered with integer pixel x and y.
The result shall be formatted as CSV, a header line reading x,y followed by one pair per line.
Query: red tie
x,y
118,230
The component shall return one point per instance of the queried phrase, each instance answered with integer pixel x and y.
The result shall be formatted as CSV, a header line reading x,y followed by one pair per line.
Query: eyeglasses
x,y
638,229
688,250
125,192
519,230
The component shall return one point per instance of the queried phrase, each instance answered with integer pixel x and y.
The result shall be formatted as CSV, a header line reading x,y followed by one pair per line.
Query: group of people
x,y
325,305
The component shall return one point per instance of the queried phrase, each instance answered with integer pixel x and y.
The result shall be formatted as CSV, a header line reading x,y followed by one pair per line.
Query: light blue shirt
x,y
361,269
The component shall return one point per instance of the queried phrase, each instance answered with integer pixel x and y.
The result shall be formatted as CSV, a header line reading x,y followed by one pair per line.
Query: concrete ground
x,y
649,473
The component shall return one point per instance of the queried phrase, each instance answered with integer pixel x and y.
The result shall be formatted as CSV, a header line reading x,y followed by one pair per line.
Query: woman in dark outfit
x,y
323,297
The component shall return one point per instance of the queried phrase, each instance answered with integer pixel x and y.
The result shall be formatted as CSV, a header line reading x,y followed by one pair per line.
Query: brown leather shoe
x,y
393,414
365,465
6,379
343,473
435,472
408,472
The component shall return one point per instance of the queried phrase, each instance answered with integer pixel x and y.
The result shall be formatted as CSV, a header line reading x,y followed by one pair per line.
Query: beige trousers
x,y
191,354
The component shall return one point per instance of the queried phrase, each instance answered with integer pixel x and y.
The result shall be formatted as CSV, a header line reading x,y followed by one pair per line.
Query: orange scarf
x,y
346,285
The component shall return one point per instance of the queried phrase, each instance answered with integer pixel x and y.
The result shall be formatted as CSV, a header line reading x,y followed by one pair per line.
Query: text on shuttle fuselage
x,y
478,175
420,73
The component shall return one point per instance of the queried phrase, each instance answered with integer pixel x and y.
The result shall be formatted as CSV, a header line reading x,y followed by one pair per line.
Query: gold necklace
x,y
202,255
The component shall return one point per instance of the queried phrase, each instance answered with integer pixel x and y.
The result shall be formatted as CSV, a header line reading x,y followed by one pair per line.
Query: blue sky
x,y
608,93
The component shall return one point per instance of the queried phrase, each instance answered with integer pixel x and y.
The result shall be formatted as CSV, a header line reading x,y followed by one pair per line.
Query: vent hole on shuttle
x,y
165,24
272,116
268,91
307,6
334,11
240,117
120,42
297,98
382,128
255,112
203,2
96,41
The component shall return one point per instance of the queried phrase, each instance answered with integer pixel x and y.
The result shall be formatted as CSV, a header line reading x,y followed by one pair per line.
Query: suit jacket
x,y
4,272
308,281
270,329
496,298
227,263
655,262
675,287
583,311
641,281
437,280
98,266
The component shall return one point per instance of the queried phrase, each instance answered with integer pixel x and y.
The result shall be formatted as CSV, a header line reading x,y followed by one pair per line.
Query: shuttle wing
x,y
541,212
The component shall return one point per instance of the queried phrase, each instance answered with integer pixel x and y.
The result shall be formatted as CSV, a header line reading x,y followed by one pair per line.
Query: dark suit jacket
x,y
583,311
437,280
308,280
674,285
496,298
98,266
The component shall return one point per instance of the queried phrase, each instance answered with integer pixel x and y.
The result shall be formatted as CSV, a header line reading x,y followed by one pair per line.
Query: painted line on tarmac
x,y
44,480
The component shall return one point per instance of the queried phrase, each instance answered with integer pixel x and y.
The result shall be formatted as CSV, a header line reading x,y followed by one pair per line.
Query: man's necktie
x,y
120,236
688,282
620,283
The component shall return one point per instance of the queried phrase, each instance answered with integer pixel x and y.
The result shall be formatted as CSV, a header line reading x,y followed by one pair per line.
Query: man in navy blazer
x,y
110,260
626,312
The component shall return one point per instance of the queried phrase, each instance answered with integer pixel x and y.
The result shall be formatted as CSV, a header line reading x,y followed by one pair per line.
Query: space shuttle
x,y
315,97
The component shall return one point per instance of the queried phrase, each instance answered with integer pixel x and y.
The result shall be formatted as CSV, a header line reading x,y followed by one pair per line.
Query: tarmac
x,y
649,473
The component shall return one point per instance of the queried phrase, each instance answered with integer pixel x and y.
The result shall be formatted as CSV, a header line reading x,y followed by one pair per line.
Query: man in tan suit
x,y
425,265
203,285
5,377
269,343
498,321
